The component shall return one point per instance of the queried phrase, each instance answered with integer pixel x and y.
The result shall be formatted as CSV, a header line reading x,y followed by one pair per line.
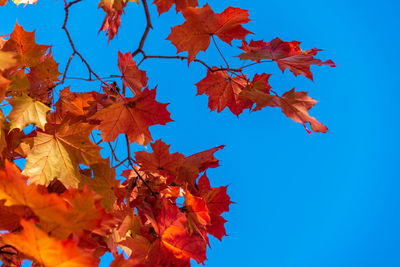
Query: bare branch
x,y
146,31
75,51
219,51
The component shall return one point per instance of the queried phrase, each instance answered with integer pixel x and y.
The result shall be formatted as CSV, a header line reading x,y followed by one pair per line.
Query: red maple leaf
x,y
286,54
165,5
132,77
201,24
132,116
224,91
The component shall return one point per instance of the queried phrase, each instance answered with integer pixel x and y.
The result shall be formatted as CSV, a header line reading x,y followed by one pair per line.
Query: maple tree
x,y
68,206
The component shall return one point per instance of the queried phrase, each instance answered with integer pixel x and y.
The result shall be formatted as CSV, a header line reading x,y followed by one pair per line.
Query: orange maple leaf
x,y
72,212
47,250
114,9
23,44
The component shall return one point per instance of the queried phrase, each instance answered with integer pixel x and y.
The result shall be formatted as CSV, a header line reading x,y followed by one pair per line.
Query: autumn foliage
x,y
68,205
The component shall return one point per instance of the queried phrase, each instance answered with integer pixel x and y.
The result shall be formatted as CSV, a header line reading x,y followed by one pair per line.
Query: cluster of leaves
x,y
67,207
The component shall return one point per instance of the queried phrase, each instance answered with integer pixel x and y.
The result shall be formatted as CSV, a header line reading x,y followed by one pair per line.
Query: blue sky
x,y
322,200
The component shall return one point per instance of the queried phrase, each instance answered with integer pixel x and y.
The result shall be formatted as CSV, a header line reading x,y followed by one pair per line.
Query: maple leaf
x,y
7,60
217,201
195,164
73,103
201,24
286,54
224,91
197,214
18,84
170,225
132,116
4,83
258,91
47,250
295,105
160,160
72,212
3,142
85,213
103,183
261,99
45,70
27,111
165,5
58,152
114,10
15,191
23,44
42,78
25,2
120,261
132,77
11,216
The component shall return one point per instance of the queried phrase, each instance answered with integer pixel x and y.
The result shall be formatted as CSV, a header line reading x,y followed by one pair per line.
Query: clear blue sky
x,y
326,200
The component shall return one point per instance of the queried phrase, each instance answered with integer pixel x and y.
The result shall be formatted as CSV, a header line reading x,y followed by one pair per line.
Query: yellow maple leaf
x,y
58,152
27,111
25,2
7,60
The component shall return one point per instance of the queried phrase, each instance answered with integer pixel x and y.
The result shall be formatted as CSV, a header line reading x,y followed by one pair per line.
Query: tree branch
x,y
75,51
195,60
219,51
133,167
146,30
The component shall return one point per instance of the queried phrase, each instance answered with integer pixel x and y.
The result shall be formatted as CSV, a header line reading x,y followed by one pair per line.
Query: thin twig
x,y
75,51
133,167
93,80
146,30
256,63
66,68
120,163
219,51
195,60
